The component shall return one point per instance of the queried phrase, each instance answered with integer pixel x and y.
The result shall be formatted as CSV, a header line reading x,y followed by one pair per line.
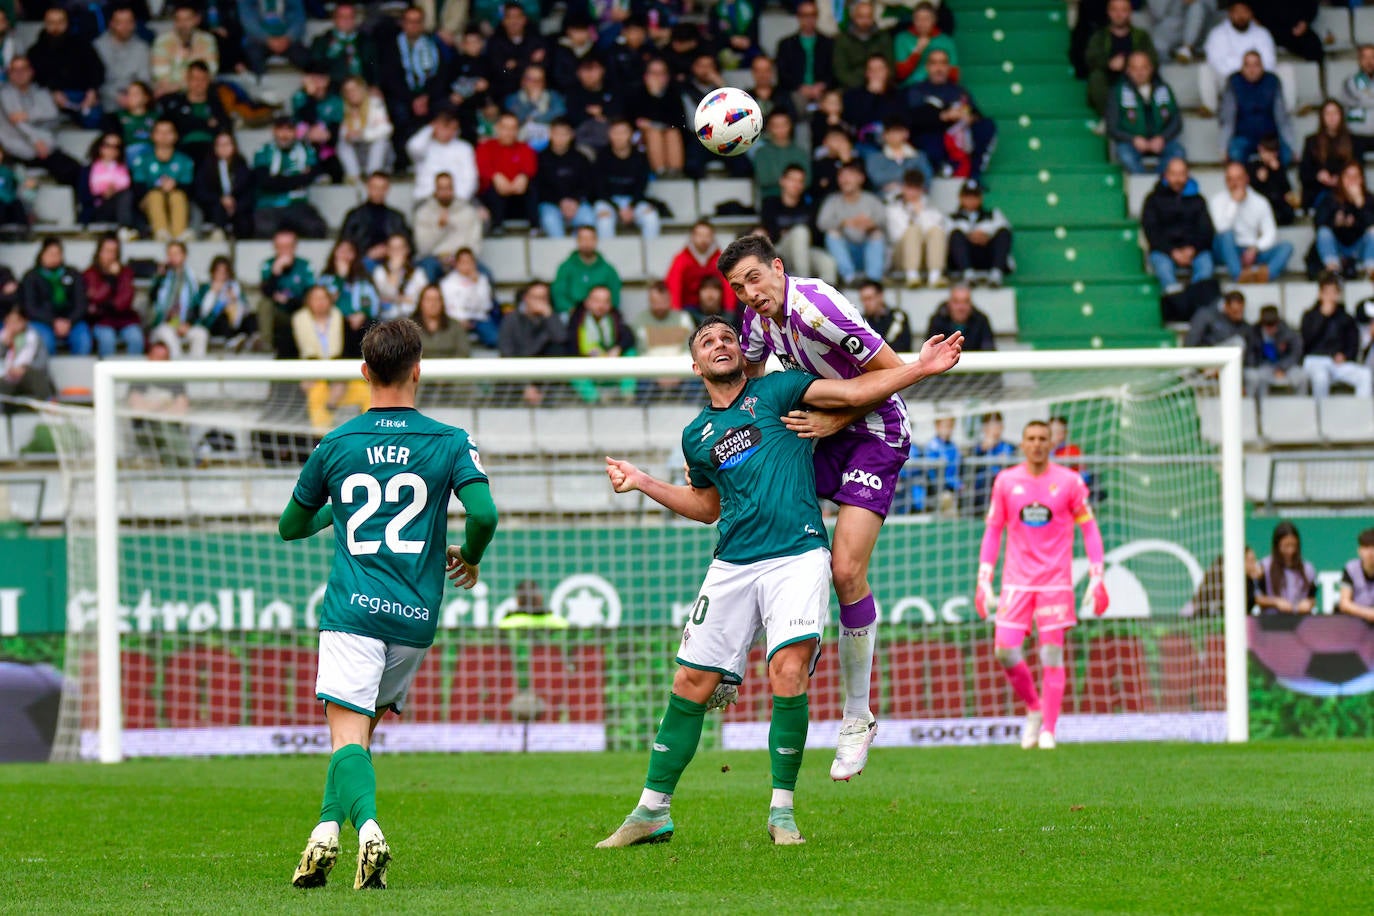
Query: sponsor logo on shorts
x,y
862,478
802,622
1035,515
385,606
735,446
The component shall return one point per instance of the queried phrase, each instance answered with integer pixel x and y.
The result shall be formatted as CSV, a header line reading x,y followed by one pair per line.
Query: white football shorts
x,y
363,673
786,599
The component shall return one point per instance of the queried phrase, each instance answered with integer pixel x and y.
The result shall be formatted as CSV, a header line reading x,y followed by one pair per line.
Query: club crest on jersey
x,y
748,405
1034,515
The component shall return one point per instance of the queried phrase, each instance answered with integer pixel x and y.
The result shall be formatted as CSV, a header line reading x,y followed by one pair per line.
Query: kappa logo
x,y
706,433
748,405
863,478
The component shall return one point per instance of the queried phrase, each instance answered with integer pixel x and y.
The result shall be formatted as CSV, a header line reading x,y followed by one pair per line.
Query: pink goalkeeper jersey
x,y
1039,514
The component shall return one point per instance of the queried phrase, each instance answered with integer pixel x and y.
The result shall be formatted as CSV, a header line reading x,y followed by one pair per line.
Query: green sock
x,y
330,809
787,739
355,783
675,744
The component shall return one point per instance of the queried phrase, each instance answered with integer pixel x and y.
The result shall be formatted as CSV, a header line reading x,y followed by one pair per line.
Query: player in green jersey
x,y
383,481
771,571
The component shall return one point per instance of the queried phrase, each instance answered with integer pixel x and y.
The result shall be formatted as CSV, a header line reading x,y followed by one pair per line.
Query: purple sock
x,y
859,614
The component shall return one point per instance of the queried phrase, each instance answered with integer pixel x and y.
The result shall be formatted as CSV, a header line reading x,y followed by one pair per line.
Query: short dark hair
x,y
1042,423
992,416
1366,538
524,291
709,321
710,280
380,174
1329,278
794,168
914,178
870,282
391,349
704,222
1060,419
1234,295
746,246
198,65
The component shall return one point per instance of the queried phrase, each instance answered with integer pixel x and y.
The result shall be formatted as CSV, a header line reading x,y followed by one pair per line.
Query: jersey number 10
x,y
372,501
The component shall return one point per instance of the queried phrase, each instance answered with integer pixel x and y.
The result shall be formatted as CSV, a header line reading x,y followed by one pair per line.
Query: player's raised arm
x,y
938,355
700,504
820,424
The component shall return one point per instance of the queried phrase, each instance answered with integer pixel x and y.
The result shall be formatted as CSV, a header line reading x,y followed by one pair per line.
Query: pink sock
x,y
1024,685
1054,696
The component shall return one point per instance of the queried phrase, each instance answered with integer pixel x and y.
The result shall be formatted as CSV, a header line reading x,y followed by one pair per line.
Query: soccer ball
x,y
1317,655
728,121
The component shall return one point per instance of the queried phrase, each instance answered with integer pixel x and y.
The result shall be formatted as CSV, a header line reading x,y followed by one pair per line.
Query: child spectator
x,y
162,177
1270,179
467,298
106,194
25,361
224,190
110,298
174,297
223,309
134,121
1289,585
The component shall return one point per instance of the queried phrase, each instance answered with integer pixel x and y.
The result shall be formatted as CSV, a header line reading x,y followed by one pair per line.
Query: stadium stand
x,y
1080,276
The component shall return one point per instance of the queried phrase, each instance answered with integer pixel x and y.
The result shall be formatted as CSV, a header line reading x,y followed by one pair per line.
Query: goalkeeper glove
x,y
984,601
1095,598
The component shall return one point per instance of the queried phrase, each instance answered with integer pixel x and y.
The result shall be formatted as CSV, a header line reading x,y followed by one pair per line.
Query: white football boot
x,y
1030,732
851,750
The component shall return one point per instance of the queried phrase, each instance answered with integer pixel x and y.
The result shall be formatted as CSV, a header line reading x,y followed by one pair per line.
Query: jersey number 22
x,y
372,501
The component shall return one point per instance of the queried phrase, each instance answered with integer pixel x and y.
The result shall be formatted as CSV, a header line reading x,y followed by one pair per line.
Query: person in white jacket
x,y
1247,238
365,134
1226,46
917,232
437,148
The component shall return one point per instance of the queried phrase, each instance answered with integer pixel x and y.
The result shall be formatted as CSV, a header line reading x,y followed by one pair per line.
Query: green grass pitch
x,y
1263,828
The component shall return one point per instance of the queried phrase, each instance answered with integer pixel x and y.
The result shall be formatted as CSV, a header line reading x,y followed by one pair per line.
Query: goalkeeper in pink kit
x,y
1038,503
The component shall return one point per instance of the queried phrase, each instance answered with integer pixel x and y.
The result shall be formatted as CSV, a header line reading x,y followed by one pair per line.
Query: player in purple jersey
x,y
810,326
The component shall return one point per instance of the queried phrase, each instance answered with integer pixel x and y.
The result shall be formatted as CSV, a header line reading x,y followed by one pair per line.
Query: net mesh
x,y
218,615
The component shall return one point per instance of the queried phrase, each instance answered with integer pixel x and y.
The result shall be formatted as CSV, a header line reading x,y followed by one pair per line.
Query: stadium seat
x,y
157,499
401,196
288,674
1308,78
1289,420
680,197
1257,473
659,253
73,377
570,680
505,431
1288,482
1333,26
1300,236
1336,71
1201,137
76,143
666,424
1209,418
1182,79
461,417
203,686
626,252
634,301
1334,482
1347,419
54,207
506,258
1298,297
483,684
268,494
6,450
716,191
334,201
563,431
613,429
252,139
546,254
926,678
774,26
250,255
580,492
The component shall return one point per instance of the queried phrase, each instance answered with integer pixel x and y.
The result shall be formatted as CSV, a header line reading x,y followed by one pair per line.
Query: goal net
x,y
192,625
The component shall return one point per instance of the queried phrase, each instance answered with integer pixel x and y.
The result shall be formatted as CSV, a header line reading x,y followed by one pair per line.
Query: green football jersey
x,y
763,470
388,474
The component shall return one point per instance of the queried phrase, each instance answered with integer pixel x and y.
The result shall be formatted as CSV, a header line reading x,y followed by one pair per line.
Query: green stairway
x,y
1080,279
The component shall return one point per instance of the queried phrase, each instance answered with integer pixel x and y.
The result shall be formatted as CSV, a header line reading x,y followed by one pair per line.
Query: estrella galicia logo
x,y
1035,515
748,405
735,446
852,345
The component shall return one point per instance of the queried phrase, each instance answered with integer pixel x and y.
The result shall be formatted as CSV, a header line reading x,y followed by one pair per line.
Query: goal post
x,y
1108,388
